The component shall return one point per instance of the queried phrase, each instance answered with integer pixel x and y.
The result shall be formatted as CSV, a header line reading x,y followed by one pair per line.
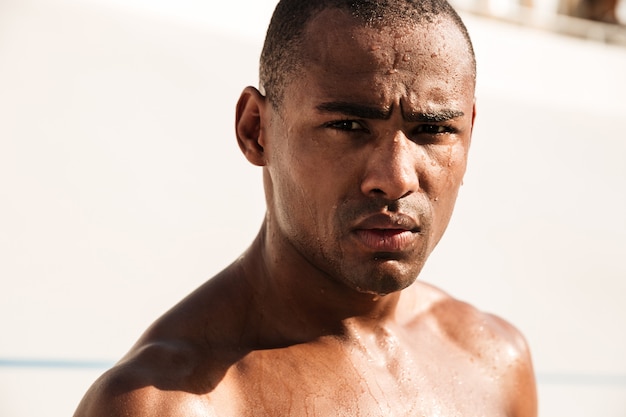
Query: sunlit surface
x,y
123,189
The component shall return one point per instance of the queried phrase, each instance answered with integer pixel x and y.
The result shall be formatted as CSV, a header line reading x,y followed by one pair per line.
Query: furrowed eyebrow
x,y
369,112
433,117
355,110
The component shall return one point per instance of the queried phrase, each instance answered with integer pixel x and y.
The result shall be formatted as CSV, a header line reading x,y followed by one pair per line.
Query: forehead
x,y
403,61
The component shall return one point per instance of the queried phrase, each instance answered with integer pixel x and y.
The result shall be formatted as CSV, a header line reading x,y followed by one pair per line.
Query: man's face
x,y
365,155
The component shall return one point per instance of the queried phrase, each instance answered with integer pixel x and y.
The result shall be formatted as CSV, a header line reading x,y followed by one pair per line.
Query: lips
x,y
387,233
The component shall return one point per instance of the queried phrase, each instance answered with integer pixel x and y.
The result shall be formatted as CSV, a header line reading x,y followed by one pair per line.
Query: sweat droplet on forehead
x,y
410,66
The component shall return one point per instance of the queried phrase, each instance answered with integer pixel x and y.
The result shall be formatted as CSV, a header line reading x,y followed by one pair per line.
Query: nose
x,y
391,171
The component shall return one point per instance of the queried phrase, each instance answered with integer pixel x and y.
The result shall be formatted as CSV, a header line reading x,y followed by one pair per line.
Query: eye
x,y
433,129
346,125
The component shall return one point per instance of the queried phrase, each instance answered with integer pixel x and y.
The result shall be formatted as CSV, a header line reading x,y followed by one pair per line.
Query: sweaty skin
x,y
322,315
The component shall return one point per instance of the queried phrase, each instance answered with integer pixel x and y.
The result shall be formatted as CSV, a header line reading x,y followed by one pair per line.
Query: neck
x,y
294,301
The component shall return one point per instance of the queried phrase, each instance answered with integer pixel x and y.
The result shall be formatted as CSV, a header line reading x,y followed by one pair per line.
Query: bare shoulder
x,y
476,331
493,343
177,365
156,379
473,330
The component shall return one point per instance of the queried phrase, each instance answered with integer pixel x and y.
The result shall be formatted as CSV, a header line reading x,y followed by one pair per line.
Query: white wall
x,y
122,189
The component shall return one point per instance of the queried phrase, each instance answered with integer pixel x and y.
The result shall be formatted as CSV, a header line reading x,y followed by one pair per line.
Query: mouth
x,y
385,233
386,240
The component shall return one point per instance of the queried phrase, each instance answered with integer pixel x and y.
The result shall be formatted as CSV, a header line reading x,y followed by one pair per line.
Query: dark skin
x,y
322,315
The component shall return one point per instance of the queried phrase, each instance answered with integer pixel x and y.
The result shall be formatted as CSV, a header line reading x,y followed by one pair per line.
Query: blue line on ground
x,y
590,379
55,363
554,378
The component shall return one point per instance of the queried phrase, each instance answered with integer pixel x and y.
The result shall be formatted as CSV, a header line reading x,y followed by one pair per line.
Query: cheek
x,y
299,194
444,168
447,177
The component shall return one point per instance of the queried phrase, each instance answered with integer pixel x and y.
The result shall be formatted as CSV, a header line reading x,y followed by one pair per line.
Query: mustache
x,y
397,210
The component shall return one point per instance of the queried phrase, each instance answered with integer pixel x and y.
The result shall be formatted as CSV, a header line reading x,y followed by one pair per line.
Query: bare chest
x,y
323,382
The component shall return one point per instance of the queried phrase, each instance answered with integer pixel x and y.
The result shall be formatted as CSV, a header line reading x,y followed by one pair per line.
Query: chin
x,y
383,282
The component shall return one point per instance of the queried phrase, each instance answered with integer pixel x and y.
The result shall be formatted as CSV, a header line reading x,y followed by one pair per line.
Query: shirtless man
x,y
362,127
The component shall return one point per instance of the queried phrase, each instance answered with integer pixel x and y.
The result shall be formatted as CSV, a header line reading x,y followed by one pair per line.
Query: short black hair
x,y
280,57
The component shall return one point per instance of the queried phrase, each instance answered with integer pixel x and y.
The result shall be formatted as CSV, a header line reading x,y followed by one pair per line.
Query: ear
x,y
473,113
473,118
250,124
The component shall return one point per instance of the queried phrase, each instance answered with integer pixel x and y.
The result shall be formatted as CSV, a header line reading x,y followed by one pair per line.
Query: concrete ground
x,y
122,189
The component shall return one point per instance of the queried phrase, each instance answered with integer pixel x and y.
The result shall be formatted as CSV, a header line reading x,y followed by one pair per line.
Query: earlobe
x,y
249,125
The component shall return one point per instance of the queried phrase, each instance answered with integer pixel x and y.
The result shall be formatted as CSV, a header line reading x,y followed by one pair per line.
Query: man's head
x,y
365,145
281,57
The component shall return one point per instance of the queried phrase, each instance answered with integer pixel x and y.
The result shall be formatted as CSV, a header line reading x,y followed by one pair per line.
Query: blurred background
x,y
122,187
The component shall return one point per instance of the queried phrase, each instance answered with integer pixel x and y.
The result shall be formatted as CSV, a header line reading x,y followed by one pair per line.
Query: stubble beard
x,y
381,274
376,273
